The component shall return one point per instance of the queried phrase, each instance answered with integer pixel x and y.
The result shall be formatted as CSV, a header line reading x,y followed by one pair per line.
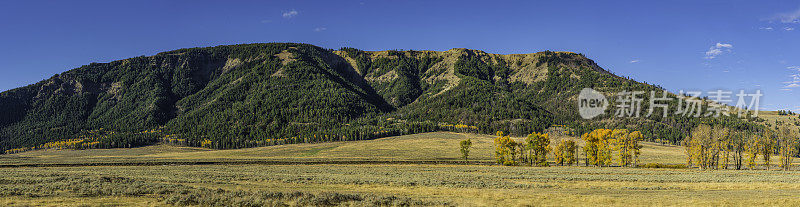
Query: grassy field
x,y
437,146
449,183
394,184
774,119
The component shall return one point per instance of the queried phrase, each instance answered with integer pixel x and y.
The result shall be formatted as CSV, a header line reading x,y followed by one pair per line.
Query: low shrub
x,y
660,165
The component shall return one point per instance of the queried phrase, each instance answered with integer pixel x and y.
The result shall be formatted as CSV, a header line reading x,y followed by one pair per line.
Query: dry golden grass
x,y
79,201
467,185
436,146
785,121
463,185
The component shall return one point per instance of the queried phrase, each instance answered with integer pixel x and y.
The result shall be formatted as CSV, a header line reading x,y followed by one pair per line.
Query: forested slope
x,y
232,93
276,93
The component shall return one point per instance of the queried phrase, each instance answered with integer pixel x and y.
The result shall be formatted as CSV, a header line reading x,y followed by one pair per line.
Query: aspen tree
x,y
737,144
597,148
565,152
465,145
767,146
753,148
787,147
540,145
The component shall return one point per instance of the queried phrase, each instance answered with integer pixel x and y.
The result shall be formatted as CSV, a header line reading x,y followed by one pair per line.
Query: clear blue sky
x,y
670,43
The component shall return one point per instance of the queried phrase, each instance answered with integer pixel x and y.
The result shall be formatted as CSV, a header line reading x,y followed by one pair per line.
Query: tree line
x,y
721,147
599,148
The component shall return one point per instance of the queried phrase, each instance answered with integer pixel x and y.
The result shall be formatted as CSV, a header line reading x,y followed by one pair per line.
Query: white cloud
x,y
716,50
634,61
289,14
786,89
766,28
788,17
722,45
712,53
788,28
320,29
795,82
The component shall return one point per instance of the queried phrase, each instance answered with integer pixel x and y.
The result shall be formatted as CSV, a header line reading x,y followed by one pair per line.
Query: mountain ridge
x,y
246,95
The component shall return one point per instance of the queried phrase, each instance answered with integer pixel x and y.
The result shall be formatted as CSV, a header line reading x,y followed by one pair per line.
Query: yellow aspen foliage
x,y
627,143
504,149
538,145
702,147
205,143
720,136
465,145
597,149
565,152
752,149
787,147
767,146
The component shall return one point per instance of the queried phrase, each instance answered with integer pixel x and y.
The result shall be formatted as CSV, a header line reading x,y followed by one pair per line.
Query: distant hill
x,y
264,94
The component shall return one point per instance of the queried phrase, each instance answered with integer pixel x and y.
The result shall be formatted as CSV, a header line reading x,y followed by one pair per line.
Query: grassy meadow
x,y
773,119
339,183
436,146
442,185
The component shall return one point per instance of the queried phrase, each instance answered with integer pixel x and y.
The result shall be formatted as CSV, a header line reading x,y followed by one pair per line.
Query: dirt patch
x,y
115,89
285,57
387,77
231,64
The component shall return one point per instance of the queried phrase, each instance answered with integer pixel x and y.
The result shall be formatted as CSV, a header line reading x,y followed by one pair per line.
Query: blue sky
x,y
681,45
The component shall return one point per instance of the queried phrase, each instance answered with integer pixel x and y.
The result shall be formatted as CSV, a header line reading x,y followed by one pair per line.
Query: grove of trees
x,y
719,147
566,152
600,145
532,151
